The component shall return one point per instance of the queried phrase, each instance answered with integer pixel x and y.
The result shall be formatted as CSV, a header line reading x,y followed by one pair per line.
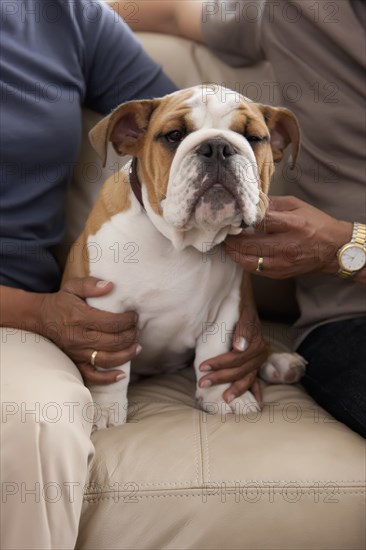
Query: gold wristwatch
x,y
352,255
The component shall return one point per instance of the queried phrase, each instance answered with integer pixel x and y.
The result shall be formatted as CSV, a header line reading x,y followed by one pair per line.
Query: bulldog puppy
x,y
202,163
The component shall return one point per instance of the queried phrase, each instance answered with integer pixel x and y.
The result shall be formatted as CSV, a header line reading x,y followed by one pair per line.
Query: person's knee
x,y
50,424
45,432
45,461
46,451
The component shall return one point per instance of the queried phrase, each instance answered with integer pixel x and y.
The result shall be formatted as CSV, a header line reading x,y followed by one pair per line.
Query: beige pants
x,y
46,420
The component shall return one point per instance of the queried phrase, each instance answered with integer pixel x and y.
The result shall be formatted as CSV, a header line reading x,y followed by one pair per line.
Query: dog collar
x,y
135,183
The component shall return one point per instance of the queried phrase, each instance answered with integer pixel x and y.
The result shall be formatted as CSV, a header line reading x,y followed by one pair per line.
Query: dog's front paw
x,y
108,413
211,401
283,368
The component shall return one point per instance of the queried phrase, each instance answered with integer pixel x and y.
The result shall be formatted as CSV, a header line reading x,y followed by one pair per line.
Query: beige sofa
x,y
177,478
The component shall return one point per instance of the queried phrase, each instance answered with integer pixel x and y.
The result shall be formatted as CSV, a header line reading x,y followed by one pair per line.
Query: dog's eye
x,y
175,136
254,139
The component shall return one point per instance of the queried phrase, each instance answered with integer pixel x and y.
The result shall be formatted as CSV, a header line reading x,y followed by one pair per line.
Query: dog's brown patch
x,y
173,113
113,199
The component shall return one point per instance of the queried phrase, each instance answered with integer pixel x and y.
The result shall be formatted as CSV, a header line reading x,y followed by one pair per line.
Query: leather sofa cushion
x,y
175,477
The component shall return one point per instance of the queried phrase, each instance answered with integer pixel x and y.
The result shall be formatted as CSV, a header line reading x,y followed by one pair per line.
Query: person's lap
x,y
336,373
47,420
46,446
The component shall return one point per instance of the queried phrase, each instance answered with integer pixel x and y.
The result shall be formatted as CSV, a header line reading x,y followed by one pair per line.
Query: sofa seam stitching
x,y
308,481
199,494
197,450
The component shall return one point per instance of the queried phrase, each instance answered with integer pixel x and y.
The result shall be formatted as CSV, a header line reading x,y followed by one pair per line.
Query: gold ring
x,y
260,265
93,357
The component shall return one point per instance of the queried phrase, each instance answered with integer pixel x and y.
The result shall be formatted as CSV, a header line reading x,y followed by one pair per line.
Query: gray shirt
x,y
317,51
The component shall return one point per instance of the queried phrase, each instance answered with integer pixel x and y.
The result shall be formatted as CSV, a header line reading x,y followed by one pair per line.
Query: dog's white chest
x,y
176,293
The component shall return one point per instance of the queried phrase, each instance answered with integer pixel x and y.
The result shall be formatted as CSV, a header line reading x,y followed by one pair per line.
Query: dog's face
x,y
205,155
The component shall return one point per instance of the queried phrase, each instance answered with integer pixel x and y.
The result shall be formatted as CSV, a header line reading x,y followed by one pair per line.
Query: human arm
x,y
78,329
176,17
249,351
298,239
232,30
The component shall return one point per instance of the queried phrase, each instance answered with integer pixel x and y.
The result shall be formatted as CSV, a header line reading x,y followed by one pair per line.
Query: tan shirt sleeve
x,y
232,30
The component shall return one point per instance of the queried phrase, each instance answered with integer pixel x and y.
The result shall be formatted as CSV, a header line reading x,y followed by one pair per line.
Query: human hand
x,y
295,238
78,329
241,364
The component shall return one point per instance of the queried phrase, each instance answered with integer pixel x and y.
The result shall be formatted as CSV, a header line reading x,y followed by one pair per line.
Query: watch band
x,y
359,234
359,238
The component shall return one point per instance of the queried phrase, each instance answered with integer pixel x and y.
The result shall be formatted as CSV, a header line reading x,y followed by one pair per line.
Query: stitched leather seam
x,y
197,451
207,452
308,482
201,449
199,494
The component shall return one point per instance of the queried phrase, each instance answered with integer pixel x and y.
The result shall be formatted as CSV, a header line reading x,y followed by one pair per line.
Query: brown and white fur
x,y
205,157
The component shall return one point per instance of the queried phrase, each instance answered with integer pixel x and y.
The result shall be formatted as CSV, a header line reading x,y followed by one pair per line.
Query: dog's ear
x,y
125,128
284,129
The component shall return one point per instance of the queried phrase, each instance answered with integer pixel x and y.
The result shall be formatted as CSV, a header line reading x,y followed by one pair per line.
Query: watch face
x,y
353,257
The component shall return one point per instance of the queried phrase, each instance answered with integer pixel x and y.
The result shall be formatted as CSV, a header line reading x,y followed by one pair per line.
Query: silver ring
x,y
93,357
260,265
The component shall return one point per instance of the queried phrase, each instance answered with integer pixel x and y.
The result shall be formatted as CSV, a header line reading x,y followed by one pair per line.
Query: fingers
x,y
240,343
104,321
249,382
86,287
120,333
110,323
94,376
103,336
227,361
281,222
113,324
256,390
230,367
245,250
248,245
280,254
248,331
222,376
98,328
108,361
275,222
287,202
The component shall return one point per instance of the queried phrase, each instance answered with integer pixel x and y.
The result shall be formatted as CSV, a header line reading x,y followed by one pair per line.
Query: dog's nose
x,y
216,149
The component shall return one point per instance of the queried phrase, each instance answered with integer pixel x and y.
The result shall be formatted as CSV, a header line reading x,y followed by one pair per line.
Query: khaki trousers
x,y
46,421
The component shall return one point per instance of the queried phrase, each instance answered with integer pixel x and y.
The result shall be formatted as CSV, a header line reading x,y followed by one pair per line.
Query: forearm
x,y
176,17
20,309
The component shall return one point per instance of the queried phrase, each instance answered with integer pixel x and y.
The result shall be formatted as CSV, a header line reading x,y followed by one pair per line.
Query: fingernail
x,y
241,343
205,368
120,377
230,398
102,284
206,384
138,349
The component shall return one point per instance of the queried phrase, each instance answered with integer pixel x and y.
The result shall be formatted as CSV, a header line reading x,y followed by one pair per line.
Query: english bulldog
x,y
202,164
